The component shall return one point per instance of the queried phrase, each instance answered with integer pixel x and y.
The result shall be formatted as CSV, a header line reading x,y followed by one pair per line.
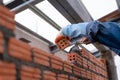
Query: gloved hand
x,y
84,40
69,32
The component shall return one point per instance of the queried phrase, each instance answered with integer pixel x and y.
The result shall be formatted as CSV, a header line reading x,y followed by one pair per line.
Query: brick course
x,y
28,63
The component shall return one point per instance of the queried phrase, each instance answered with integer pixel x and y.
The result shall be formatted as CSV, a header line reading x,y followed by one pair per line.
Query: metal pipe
x,y
45,17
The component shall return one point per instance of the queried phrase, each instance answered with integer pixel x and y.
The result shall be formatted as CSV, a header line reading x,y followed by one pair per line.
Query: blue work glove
x,y
74,30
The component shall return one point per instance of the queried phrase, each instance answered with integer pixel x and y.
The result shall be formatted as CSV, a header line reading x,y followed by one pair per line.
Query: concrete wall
x,y
34,41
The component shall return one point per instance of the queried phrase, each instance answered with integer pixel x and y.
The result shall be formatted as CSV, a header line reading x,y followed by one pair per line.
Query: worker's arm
x,y
107,33
74,30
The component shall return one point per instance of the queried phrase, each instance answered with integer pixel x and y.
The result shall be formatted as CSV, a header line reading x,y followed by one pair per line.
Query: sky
x,y
7,1
96,8
99,8
40,26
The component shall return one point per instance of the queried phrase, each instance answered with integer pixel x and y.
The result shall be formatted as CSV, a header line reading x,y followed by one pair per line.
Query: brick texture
x,y
7,71
83,72
41,57
62,42
1,43
31,63
62,77
84,53
68,67
56,62
76,70
48,75
30,73
73,78
19,50
7,18
75,58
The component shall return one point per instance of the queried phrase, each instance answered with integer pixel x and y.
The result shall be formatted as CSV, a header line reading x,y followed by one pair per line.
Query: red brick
x,y
48,75
1,43
73,78
7,18
7,71
56,66
80,60
76,70
7,77
40,52
68,67
85,63
56,62
7,24
97,69
62,42
88,75
49,78
103,66
6,11
85,53
91,67
41,61
41,57
74,58
30,73
19,50
91,57
102,60
20,43
7,65
30,69
28,78
62,77
94,76
105,74
95,60
83,72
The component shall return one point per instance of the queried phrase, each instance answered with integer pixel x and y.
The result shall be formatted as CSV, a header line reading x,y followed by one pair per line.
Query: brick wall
x,y
89,66
20,61
34,41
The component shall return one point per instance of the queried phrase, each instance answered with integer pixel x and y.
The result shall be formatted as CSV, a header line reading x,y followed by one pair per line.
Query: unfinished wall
x,y
21,61
34,41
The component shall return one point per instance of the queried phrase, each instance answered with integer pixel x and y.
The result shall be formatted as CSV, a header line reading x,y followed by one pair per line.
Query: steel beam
x,y
73,10
118,3
45,17
64,10
20,5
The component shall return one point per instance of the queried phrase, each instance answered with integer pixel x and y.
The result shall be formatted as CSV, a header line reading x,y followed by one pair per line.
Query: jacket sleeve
x,y
92,30
107,33
74,30
115,50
